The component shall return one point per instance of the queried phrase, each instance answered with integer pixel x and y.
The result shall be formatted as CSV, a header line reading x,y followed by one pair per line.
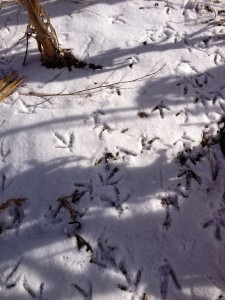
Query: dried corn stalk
x,y
5,3
8,84
39,25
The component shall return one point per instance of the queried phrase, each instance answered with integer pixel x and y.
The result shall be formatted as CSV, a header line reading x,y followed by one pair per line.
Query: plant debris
x,y
81,242
64,202
143,114
9,202
9,83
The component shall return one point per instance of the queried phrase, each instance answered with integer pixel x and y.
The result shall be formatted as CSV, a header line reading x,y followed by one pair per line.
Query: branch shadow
x,y
147,225
144,229
154,229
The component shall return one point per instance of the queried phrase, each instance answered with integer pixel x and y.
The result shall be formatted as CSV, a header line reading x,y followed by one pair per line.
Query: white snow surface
x,y
137,165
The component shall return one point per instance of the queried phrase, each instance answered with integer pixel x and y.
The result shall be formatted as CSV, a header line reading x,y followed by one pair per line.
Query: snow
x,y
124,185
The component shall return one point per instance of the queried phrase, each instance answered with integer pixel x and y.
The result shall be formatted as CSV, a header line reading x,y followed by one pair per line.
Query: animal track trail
x,y
167,274
132,283
133,60
169,31
197,84
4,151
31,291
202,44
17,215
67,210
170,201
214,164
108,182
86,50
26,108
82,243
12,214
85,292
52,216
169,6
219,58
165,5
164,34
185,138
161,107
83,189
147,39
118,19
6,61
125,152
113,198
185,68
104,127
146,144
198,81
10,281
97,117
218,223
105,253
188,156
4,184
105,257
99,124
65,141
193,10
192,5
189,175
184,114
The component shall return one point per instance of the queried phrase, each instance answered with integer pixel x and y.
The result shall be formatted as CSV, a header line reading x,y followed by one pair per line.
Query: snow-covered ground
x,y
120,190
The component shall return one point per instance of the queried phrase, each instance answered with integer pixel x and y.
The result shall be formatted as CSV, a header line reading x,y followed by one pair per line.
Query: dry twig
x,y
96,88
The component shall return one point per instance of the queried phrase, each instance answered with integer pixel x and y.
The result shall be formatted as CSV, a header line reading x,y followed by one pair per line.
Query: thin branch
x,y
96,88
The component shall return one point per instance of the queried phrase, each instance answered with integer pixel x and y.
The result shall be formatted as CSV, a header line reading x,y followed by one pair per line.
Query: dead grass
x,y
9,83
